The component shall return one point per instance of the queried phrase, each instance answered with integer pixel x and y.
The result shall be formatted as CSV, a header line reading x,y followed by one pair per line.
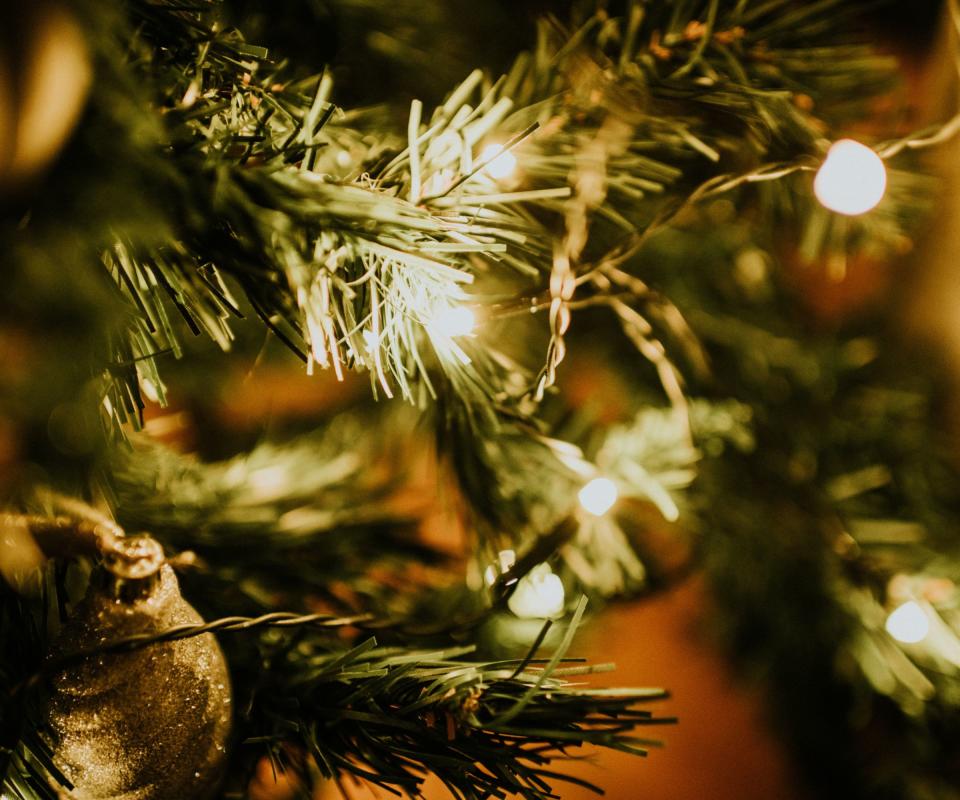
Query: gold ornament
x,y
151,724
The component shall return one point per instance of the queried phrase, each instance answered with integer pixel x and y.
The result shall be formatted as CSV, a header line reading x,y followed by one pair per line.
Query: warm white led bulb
x,y
908,623
502,162
852,178
538,595
505,560
598,496
454,321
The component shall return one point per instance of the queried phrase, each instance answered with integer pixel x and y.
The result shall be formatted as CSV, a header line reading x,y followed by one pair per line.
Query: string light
x,y
851,180
908,623
149,389
598,496
502,163
539,595
454,321
438,183
268,482
505,560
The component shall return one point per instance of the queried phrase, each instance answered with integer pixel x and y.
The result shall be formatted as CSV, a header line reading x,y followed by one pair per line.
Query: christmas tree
x,y
355,353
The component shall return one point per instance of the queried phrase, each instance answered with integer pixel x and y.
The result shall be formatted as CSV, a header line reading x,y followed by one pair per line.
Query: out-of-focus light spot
x,y
454,321
598,496
502,163
538,595
268,482
369,340
908,623
852,178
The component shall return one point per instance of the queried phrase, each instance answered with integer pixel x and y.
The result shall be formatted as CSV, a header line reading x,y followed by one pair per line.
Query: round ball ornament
x,y
148,724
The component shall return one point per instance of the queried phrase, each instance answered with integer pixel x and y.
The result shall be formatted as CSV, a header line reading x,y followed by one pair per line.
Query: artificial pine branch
x,y
291,522
263,157
389,716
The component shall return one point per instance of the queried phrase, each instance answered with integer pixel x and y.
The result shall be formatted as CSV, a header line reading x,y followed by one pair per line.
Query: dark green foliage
x,y
389,716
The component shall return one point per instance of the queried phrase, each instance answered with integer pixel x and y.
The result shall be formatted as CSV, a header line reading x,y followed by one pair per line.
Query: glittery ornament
x,y
151,724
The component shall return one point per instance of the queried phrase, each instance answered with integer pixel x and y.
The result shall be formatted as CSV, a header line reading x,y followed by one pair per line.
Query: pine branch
x,y
847,513
290,523
389,716
26,762
349,257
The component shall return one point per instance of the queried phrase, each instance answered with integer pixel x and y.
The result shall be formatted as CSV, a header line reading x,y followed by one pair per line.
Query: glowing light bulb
x,y
268,482
454,321
598,496
852,178
505,560
908,623
502,162
538,595
149,389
